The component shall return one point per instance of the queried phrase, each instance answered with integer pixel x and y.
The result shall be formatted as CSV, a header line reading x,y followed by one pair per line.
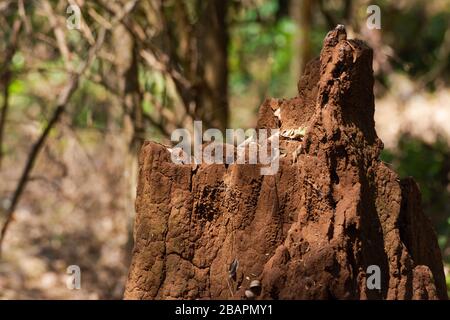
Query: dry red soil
x,y
308,232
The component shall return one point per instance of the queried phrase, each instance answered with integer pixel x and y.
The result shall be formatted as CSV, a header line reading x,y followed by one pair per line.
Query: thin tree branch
x,y
6,80
63,99
156,124
442,60
28,167
58,32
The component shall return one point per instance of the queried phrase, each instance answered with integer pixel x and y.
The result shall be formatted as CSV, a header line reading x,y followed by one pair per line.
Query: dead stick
x,y
36,148
63,99
30,163
6,82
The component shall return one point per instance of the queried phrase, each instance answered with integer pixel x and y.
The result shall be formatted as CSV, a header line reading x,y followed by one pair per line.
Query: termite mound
x,y
308,232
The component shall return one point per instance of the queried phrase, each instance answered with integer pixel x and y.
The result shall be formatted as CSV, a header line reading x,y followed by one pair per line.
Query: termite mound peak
x,y
311,230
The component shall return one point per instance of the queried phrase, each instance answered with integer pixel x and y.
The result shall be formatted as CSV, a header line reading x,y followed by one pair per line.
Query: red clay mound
x,y
308,232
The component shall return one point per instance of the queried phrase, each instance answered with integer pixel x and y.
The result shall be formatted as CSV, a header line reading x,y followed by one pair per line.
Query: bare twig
x,y
147,117
63,99
442,61
28,167
58,31
6,79
23,17
157,125
62,102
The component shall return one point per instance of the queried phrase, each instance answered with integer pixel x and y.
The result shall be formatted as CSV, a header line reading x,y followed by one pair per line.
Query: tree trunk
x,y
301,13
130,92
212,99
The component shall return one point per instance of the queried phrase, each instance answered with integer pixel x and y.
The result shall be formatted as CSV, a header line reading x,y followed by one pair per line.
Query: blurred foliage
x,y
262,50
406,24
